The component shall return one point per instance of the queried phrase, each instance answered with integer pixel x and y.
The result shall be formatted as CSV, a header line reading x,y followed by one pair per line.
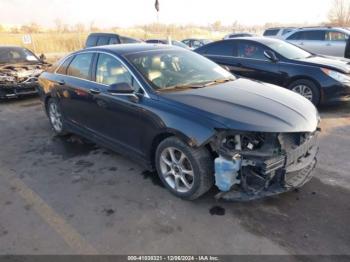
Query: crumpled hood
x,y
20,72
251,106
339,64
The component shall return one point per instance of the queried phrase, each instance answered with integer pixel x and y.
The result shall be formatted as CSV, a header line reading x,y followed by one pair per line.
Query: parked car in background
x,y
179,113
166,42
329,41
234,35
194,43
19,71
98,39
278,32
319,79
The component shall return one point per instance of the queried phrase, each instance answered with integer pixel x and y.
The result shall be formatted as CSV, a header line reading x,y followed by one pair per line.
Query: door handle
x,y
61,82
301,43
94,91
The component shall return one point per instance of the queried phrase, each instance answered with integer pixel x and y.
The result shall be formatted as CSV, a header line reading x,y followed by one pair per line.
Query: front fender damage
x,y
251,165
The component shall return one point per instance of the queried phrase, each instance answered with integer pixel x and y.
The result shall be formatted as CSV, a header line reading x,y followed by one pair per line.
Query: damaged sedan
x,y
19,72
184,116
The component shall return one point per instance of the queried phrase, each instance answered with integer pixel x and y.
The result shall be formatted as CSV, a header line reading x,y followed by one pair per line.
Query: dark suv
x,y
98,39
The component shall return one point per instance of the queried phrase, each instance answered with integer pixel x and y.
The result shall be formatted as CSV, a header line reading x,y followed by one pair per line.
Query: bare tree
x,y
339,15
79,27
30,28
59,25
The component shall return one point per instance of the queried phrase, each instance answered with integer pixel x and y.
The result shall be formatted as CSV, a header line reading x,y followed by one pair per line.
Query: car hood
x,y
250,106
339,64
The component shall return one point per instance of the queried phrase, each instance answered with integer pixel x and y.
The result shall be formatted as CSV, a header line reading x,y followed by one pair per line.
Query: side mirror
x,y
121,88
270,55
42,57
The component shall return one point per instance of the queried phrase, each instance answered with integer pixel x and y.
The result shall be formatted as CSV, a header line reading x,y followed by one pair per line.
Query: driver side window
x,y
110,71
251,50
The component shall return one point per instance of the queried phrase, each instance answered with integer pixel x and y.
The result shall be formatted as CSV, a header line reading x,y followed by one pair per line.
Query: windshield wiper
x,y
218,81
185,86
197,85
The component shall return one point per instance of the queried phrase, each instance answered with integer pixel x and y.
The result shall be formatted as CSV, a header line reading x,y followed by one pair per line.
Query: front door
x,y
122,118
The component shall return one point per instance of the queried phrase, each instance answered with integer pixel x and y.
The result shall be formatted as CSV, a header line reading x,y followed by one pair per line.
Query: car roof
x,y
321,28
279,28
124,49
103,34
260,39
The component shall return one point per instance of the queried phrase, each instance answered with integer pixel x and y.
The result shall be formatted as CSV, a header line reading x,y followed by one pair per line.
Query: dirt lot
x,y
63,196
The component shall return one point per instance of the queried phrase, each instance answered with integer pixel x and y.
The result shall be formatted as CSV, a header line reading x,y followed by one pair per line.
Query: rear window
x,y
63,67
103,40
271,32
80,66
226,48
91,41
113,41
336,36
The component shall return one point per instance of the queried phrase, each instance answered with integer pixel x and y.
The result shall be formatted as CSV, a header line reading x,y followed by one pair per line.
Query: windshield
x,y
180,44
289,51
173,69
10,55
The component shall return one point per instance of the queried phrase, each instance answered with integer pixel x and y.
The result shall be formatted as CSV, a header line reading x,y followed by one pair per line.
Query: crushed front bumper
x,y
8,91
285,173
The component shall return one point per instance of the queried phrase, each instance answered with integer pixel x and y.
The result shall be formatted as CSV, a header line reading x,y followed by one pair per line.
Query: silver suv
x,y
329,41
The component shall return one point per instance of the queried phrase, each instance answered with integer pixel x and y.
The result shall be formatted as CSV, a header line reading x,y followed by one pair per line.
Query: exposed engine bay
x,y
254,165
19,79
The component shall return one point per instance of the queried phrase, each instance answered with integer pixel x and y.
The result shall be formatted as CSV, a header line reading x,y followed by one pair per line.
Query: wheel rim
x,y
303,90
176,169
55,117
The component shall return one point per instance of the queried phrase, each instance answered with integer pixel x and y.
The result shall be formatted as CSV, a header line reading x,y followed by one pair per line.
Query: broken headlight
x,y
248,159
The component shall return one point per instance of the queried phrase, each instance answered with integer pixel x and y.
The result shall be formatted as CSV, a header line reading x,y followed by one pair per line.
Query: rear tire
x,y
307,89
186,172
55,116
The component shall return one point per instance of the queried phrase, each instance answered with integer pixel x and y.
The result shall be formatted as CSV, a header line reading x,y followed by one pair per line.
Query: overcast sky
x,y
106,13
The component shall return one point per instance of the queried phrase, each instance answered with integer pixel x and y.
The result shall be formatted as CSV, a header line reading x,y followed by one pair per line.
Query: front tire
x,y
55,116
307,89
185,171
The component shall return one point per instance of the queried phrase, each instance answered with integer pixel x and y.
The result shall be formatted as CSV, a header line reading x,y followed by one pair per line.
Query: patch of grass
x,y
58,42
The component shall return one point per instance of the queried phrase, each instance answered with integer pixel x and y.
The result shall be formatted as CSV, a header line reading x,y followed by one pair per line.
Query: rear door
x,y
77,98
223,53
310,40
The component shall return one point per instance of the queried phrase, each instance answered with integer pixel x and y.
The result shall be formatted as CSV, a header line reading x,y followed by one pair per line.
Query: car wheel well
x,y
156,141
297,78
47,98
313,81
159,138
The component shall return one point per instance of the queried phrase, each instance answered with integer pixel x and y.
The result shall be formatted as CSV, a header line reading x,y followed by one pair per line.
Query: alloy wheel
x,y
176,169
303,90
55,117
